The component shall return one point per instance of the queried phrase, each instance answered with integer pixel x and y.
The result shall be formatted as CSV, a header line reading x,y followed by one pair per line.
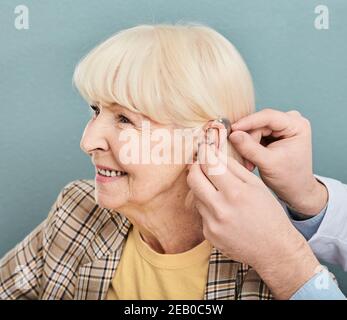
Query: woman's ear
x,y
215,133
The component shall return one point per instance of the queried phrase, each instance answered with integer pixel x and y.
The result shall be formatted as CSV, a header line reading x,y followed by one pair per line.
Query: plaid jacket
x,y
74,252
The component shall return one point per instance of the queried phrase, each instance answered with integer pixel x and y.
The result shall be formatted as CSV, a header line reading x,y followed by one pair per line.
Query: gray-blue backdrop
x,y
294,65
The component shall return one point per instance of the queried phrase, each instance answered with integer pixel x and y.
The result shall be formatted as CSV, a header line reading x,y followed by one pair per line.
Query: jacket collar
x,y
95,275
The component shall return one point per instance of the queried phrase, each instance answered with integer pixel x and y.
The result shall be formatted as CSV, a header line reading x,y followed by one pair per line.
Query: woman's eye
x,y
123,119
96,110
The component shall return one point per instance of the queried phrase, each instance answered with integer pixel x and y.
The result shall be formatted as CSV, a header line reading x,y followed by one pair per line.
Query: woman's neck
x,y
165,224
176,233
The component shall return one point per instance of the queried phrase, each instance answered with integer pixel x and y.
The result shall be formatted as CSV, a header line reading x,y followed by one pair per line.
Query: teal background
x,y
294,66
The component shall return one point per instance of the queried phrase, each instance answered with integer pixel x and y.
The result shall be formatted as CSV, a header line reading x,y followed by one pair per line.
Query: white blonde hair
x,y
183,74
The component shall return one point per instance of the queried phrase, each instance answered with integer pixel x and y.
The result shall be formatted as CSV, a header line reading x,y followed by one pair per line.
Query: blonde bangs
x,y
106,75
180,74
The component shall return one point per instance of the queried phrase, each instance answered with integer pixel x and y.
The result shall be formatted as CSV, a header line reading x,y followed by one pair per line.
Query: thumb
x,y
249,148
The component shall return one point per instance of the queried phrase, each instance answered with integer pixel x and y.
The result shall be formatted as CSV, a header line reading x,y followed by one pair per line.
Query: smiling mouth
x,y
111,173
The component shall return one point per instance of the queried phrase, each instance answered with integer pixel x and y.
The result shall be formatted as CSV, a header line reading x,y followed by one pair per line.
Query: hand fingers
x,y
237,169
211,219
234,176
216,170
204,211
249,165
205,195
294,113
272,119
200,185
258,136
249,149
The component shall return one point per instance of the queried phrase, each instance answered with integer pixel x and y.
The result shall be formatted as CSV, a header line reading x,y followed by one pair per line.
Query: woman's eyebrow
x,y
119,108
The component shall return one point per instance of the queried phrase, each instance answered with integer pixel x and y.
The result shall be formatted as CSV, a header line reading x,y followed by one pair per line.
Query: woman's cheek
x,y
143,186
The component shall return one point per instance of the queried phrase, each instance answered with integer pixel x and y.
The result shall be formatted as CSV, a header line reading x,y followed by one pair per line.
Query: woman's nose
x,y
93,138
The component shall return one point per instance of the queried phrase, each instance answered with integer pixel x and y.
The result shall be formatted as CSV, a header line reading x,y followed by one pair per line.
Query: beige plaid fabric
x,y
74,252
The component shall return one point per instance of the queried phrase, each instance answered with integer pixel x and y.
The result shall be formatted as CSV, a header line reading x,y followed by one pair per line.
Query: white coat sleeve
x,y
329,242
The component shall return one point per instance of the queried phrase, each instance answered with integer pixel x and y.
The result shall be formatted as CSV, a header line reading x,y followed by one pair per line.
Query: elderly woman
x,y
134,232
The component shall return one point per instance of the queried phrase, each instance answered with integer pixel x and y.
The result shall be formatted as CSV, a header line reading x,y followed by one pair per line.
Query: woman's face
x,y
116,134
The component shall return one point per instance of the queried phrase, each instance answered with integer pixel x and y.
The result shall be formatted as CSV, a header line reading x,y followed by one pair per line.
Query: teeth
x,y
110,173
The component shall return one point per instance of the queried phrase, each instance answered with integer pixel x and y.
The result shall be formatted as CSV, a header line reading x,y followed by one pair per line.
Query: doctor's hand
x,y
279,144
245,221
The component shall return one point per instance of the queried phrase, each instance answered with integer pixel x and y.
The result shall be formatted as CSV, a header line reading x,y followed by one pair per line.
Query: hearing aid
x,y
213,133
226,124
212,137
216,135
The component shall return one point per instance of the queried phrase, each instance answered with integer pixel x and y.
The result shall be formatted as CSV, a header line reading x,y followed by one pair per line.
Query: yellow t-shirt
x,y
143,273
